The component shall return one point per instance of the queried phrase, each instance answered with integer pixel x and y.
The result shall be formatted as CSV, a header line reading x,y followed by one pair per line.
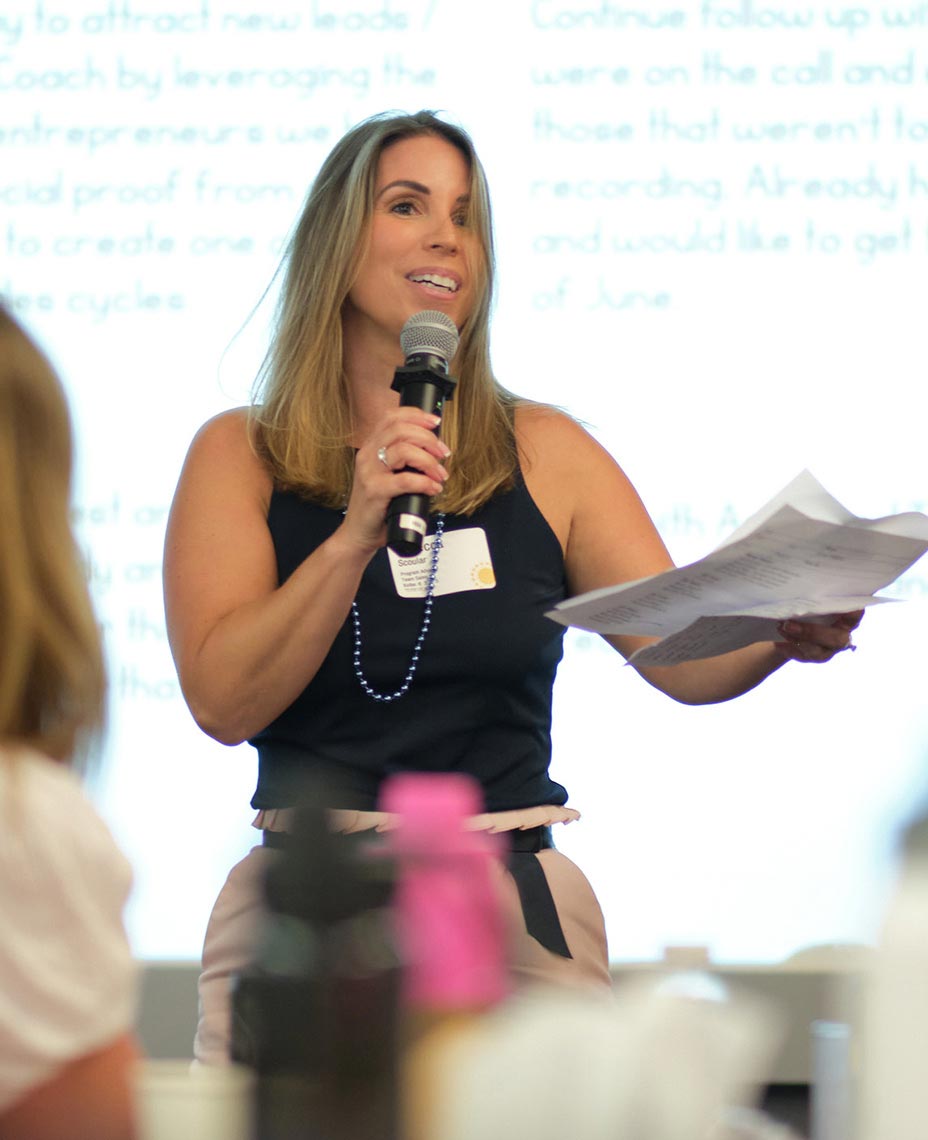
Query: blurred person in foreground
x,y
67,978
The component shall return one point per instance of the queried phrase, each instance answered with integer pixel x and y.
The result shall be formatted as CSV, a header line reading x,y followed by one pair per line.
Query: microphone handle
x,y
408,515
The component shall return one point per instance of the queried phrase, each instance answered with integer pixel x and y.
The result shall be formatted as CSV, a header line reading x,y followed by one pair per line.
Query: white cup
x,y
176,1100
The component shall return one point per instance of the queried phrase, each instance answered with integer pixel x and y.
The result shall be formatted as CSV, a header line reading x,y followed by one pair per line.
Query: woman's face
x,y
422,252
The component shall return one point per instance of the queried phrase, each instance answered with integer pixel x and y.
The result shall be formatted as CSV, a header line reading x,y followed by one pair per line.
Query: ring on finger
x,y
382,456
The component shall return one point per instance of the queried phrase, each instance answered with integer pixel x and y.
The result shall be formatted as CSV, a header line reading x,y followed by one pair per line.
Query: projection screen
x,y
712,225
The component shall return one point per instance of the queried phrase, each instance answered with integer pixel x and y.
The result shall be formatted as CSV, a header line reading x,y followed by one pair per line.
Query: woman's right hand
x,y
402,455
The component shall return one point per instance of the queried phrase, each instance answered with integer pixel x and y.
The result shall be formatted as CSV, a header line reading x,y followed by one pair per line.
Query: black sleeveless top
x,y
480,701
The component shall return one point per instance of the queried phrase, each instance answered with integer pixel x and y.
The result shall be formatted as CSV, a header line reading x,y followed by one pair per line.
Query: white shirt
x,y
68,983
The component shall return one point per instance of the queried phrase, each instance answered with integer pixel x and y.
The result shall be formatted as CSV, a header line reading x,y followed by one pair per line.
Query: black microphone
x,y
429,339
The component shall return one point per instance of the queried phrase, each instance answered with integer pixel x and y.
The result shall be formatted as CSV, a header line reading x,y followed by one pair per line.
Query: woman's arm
x,y
245,647
608,538
91,1096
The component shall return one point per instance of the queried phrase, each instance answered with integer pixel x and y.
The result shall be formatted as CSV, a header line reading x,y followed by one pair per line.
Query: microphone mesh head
x,y
430,331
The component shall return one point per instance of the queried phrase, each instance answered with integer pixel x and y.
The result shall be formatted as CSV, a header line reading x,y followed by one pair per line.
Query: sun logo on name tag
x,y
482,576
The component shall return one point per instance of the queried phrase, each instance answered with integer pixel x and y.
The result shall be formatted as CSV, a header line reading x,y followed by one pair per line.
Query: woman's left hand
x,y
815,641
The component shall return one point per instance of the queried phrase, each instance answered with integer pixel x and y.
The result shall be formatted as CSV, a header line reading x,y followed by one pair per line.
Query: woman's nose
x,y
444,236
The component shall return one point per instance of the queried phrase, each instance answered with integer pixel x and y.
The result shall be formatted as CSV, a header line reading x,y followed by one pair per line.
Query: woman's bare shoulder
x,y
222,462
228,439
553,450
230,428
549,436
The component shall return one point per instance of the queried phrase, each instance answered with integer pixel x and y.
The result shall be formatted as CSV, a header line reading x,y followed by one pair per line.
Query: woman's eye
x,y
404,208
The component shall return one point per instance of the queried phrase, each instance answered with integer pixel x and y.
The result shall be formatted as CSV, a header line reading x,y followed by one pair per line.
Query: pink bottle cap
x,y
448,901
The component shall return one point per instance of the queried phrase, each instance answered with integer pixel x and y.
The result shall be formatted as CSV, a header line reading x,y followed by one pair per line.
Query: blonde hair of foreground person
x,y
52,686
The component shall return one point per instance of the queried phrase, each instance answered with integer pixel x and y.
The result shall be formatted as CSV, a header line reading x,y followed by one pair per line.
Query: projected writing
x,y
122,539
677,140
134,90
684,143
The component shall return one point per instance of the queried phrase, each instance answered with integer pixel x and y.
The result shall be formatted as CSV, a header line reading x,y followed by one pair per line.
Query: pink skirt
x,y
234,924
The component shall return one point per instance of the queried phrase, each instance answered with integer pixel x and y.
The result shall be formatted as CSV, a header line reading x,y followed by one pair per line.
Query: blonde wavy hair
x,y
52,677
301,419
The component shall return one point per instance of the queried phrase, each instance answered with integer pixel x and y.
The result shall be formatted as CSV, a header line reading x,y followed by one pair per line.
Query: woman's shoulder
x,y
36,777
230,429
550,436
67,975
226,445
552,455
47,807
573,478
58,858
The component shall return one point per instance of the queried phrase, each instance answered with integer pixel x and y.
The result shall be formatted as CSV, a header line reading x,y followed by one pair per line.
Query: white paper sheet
x,y
801,555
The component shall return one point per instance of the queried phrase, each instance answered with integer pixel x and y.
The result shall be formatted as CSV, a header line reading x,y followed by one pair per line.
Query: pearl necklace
x,y
423,629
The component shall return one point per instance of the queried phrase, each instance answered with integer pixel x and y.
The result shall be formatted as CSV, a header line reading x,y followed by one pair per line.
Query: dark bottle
x,y
316,1015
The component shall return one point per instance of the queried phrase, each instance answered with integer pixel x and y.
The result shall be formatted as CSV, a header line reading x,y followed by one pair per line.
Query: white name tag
x,y
463,564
